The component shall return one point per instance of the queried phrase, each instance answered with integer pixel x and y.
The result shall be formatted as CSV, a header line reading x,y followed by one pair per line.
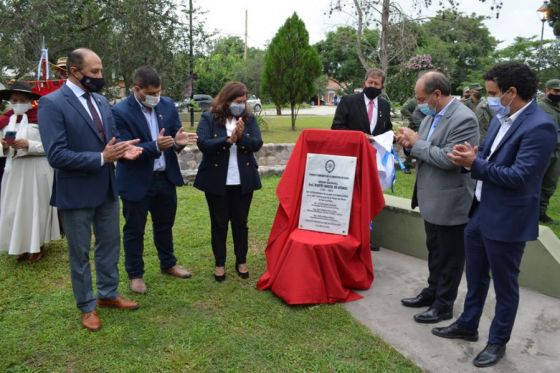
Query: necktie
x,y
435,123
370,110
95,116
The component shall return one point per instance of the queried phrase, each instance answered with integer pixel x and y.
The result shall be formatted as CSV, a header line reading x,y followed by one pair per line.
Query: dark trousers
x,y
161,203
234,207
446,259
502,259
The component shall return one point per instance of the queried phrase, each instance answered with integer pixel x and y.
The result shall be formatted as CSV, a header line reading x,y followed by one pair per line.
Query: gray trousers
x,y
77,227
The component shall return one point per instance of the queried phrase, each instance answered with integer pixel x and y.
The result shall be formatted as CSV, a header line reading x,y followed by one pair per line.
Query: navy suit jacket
x,y
212,171
135,177
512,176
74,148
351,114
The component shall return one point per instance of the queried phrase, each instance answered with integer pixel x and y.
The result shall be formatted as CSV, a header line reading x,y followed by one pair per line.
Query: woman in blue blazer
x,y
228,135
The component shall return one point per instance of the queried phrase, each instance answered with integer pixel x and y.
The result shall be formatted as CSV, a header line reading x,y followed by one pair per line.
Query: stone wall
x,y
272,158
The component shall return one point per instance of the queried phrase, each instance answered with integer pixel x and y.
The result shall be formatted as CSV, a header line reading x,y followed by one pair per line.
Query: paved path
x,y
534,346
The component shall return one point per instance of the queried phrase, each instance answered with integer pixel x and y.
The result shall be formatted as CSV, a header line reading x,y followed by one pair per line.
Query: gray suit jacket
x,y
442,191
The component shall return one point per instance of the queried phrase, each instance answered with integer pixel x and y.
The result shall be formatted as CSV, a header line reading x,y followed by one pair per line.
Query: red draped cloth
x,y
306,267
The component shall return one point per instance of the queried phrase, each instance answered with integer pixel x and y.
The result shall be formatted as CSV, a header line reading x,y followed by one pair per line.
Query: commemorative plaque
x,y
327,193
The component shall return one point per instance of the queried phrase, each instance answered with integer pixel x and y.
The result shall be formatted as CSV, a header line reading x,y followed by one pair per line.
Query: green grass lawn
x,y
182,325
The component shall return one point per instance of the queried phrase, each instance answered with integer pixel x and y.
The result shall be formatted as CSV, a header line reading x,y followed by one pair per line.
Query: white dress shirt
x,y
79,92
151,119
505,125
233,169
373,122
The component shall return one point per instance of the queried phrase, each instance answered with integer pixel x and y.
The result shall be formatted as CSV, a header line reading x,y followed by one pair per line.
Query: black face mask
x,y
553,98
372,92
92,84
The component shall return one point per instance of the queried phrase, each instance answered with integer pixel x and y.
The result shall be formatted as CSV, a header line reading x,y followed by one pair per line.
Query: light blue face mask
x,y
495,104
426,109
237,109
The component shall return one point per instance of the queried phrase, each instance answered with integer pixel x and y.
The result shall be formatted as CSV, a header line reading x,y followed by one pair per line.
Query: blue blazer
x,y
512,176
212,171
135,177
74,148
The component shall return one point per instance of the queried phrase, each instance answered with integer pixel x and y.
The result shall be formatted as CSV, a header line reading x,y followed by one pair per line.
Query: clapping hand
x,y
164,142
407,137
125,149
463,154
183,138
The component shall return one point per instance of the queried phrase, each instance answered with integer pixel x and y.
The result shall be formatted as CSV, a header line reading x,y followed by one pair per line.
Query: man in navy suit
x,y
365,111
78,133
148,183
508,169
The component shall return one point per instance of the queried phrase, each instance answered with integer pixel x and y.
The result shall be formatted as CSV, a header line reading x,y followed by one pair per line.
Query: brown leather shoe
x,y
178,271
119,302
137,285
91,321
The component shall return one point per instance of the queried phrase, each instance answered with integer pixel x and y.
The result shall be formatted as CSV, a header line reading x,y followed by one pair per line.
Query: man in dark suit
x,y
78,133
365,111
508,169
148,183
442,192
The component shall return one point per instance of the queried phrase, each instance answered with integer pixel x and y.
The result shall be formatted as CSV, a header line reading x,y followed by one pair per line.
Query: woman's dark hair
x,y
220,104
514,74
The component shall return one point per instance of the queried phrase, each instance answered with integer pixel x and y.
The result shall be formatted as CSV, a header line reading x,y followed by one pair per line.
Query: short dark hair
x,y
75,59
375,72
146,76
514,74
436,80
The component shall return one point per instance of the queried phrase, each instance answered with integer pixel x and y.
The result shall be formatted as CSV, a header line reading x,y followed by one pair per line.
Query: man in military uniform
x,y
475,95
466,94
484,116
551,105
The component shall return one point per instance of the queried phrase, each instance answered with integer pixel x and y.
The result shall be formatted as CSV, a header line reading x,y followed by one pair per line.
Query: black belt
x,y
159,173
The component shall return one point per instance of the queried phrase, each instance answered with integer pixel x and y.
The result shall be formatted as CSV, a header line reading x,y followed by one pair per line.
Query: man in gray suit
x,y
443,193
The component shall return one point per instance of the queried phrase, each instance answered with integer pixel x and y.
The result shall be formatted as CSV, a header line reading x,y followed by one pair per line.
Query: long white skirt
x,y
27,221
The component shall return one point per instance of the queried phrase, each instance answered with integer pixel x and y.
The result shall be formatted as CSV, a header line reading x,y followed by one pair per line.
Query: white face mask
x,y
20,109
151,101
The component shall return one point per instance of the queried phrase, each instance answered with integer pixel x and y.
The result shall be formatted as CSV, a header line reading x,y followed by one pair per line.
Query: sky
x,y
517,18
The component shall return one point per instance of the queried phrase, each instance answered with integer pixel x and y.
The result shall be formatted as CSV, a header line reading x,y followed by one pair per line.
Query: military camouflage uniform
x,y
550,179
484,116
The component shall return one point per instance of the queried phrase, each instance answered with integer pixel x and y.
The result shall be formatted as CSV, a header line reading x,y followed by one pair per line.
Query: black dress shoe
x,y
432,316
243,275
418,301
374,247
220,278
489,356
456,331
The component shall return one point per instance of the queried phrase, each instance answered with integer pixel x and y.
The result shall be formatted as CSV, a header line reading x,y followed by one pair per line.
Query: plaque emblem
x,y
329,166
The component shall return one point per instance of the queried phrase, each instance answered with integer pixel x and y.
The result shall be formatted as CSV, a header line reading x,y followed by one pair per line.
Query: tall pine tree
x,y
291,67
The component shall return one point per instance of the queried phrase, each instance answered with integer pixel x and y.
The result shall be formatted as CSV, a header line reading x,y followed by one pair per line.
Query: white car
x,y
254,103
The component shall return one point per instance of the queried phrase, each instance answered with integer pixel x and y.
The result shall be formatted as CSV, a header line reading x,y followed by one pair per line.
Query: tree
x,y
291,66
339,58
554,16
220,66
459,44
387,14
125,33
